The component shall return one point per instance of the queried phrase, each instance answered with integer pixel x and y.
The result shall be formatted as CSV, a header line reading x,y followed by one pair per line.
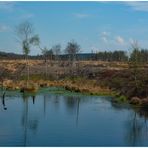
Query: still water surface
x,y
48,119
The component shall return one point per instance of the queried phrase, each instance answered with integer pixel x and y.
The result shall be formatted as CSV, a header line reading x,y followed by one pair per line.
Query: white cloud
x,y
104,33
138,6
110,39
105,36
81,15
120,40
104,39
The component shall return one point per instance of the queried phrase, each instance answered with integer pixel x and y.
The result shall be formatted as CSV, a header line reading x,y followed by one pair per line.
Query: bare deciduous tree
x,y
72,49
44,52
135,61
26,37
56,50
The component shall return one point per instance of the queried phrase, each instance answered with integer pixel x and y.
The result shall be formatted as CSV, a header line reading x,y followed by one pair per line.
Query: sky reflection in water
x,y
58,120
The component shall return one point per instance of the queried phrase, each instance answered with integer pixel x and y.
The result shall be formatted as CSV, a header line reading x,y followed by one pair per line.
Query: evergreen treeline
x,y
111,56
103,56
9,56
137,54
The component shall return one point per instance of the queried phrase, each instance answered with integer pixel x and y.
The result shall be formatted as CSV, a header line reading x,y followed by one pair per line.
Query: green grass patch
x,y
120,99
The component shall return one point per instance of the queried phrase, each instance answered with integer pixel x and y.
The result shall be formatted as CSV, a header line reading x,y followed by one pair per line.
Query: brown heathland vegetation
x,y
91,77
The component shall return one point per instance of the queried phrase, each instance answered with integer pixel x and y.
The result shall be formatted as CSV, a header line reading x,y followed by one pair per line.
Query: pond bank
x,y
78,85
88,87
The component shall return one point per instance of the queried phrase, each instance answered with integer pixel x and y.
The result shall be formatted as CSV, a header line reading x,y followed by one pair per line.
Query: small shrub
x,y
135,101
122,98
144,102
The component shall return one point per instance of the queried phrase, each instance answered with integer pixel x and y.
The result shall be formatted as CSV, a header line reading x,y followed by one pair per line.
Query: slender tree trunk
x,y
46,67
27,65
51,59
28,71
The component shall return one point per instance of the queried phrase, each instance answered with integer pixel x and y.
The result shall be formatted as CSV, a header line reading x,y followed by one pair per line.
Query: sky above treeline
x,y
95,26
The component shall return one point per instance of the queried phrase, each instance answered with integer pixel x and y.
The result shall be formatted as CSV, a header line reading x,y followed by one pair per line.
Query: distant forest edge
x,y
103,56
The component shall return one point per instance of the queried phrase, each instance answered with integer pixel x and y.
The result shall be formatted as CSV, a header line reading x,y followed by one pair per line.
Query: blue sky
x,y
95,26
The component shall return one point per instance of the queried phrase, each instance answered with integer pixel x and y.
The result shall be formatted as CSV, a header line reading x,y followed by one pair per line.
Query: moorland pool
x,y
67,119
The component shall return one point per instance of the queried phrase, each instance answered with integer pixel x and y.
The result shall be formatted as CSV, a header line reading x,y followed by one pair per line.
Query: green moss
x,y
120,99
123,98
61,90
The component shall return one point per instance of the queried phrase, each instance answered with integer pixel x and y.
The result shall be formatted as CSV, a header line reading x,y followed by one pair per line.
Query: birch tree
x,y
27,39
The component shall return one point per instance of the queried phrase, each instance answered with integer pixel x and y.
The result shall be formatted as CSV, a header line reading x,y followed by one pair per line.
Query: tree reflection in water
x,y
33,99
3,101
3,97
143,113
136,129
73,105
45,102
78,105
136,124
28,123
56,101
44,105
